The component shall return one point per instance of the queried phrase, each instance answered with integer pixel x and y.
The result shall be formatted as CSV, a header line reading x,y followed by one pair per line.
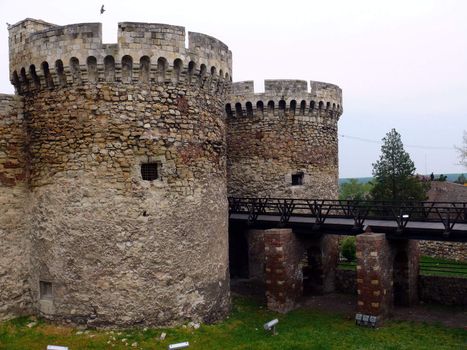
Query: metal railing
x,y
447,213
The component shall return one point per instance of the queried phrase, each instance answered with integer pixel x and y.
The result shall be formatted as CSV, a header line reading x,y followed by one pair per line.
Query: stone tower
x,y
118,162
283,142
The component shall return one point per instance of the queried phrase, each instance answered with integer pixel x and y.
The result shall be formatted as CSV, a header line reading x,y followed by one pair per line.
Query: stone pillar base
x,y
387,274
283,272
374,275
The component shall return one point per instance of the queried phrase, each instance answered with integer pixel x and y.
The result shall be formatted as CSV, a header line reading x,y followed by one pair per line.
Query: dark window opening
x,y
149,171
297,179
45,290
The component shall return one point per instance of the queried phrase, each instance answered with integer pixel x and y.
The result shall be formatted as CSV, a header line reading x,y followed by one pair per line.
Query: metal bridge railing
x,y
447,213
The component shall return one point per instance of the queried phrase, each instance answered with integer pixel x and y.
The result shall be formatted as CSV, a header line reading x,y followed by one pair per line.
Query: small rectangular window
x,y
45,290
297,179
150,171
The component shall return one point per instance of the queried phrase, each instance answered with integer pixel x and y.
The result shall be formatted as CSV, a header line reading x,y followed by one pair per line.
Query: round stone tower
x,y
127,171
283,142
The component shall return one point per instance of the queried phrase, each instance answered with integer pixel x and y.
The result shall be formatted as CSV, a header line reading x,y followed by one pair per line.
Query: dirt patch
x,y
448,316
433,314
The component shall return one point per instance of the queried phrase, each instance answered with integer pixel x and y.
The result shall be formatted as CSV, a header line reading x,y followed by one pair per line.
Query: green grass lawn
x,y
300,329
429,266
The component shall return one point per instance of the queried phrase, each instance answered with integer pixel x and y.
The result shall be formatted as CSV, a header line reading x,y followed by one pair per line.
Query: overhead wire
x,y
406,145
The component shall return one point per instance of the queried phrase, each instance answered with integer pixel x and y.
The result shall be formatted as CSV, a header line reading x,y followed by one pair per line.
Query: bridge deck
x,y
439,221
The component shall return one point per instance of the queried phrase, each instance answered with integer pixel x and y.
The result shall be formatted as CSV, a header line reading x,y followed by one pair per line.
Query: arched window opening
x,y
302,107
35,78
228,110
60,72
15,81
312,105
260,106
48,77
178,65
221,74
23,78
271,106
320,105
202,73
249,109
238,109
109,68
282,105
227,77
91,63
333,106
328,106
127,69
75,70
213,71
293,106
191,71
161,69
144,69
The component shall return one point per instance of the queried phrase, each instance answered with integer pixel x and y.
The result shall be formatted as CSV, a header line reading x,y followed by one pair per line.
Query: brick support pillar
x,y
374,275
283,272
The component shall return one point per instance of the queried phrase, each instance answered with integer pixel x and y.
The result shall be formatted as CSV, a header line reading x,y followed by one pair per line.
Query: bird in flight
x,y
102,9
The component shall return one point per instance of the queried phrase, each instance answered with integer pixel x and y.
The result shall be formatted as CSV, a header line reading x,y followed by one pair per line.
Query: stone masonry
x,y
387,273
283,142
100,244
283,273
116,161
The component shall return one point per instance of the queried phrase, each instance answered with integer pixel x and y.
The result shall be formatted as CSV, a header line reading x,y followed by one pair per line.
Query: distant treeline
x,y
364,180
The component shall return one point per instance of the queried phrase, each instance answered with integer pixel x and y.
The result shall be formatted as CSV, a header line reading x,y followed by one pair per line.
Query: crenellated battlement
x,y
285,96
44,55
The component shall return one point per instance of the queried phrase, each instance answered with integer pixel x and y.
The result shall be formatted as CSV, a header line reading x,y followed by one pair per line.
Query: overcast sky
x,y
401,64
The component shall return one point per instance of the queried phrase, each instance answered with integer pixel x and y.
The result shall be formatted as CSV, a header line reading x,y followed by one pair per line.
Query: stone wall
x,y
346,281
110,247
14,244
443,191
431,289
283,142
443,290
116,248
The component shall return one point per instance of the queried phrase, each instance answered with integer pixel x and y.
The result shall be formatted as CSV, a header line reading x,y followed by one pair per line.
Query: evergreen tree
x,y
394,173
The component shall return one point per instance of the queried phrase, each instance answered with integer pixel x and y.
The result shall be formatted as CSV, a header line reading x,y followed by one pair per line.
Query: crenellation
x,y
84,40
285,87
286,96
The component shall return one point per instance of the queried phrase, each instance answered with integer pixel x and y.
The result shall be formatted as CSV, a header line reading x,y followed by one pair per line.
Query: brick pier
x,y
386,274
283,272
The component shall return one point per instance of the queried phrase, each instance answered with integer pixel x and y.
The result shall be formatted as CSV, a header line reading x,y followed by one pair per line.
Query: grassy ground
x,y
300,329
429,266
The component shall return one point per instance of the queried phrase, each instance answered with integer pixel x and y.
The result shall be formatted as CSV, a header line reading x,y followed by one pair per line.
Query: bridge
x,y
438,221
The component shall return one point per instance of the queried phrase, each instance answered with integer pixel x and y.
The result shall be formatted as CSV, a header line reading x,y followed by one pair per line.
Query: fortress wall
x,y
282,132
118,249
110,247
14,247
60,55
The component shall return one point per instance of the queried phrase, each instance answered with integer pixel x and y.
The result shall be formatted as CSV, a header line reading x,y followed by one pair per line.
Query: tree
x,y
354,190
394,173
463,151
461,179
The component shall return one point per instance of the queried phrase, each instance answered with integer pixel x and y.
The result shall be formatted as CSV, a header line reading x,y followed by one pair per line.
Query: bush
x,y
348,248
